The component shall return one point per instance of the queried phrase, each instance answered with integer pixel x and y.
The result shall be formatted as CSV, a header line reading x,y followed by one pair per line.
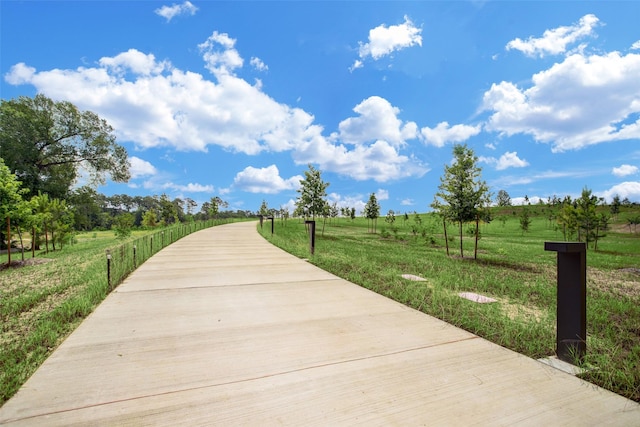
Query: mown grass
x,y
512,267
42,303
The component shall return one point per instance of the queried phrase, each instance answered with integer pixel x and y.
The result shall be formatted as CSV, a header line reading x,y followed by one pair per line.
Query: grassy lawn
x,y
512,267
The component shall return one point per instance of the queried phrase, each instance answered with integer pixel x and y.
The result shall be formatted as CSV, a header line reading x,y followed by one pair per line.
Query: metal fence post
x,y
109,268
571,340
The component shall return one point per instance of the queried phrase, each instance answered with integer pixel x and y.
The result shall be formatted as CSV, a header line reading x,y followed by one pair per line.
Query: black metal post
x,y
135,263
109,268
312,236
571,341
271,218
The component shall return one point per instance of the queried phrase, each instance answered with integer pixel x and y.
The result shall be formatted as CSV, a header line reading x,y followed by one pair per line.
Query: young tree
x,y
264,209
46,143
586,215
11,201
149,219
216,203
61,222
461,193
168,212
42,210
503,198
391,217
122,225
525,220
568,220
615,206
313,191
372,211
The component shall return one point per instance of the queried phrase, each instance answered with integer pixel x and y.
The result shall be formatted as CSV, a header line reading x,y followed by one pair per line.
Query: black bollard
x,y
271,218
571,341
312,236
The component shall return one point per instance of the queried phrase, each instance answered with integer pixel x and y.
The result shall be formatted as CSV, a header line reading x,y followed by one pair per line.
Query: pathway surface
x,y
222,328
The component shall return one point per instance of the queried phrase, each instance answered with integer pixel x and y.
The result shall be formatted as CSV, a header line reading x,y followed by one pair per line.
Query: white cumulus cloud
x,y
258,64
555,41
265,180
378,120
382,194
219,54
443,133
385,40
170,12
630,190
625,170
510,160
580,101
153,104
140,167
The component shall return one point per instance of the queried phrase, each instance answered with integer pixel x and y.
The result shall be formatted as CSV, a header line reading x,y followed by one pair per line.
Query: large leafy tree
x,y
46,144
461,193
313,190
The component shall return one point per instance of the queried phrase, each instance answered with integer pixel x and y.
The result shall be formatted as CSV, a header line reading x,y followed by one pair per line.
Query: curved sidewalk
x,y
222,328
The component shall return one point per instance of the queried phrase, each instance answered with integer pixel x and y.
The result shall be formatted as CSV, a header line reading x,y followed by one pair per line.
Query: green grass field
x,y
40,304
512,267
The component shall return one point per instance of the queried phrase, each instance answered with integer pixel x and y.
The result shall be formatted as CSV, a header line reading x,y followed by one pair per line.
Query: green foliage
x,y
461,193
615,205
45,142
123,225
391,217
503,199
149,219
264,209
313,190
525,220
372,211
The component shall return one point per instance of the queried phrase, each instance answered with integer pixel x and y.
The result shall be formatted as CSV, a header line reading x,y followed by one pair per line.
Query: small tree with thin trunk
x,y
461,193
372,211
313,191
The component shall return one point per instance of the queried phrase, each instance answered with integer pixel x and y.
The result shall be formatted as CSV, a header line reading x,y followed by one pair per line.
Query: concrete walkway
x,y
222,328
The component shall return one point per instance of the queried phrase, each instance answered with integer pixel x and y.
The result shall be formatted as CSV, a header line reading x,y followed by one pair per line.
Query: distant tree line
x,y
45,146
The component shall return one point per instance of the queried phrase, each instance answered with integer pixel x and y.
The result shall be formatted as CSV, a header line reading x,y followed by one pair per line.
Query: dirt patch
x,y
624,282
25,263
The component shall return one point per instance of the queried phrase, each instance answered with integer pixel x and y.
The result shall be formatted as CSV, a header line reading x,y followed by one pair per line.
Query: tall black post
x,y
271,218
312,236
109,268
571,338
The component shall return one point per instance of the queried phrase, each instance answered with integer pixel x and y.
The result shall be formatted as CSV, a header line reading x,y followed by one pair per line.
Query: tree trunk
x,y
446,240
475,251
46,238
461,250
8,241
21,243
33,242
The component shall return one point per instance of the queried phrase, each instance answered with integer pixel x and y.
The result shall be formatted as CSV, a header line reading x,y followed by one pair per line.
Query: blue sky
x,y
235,99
